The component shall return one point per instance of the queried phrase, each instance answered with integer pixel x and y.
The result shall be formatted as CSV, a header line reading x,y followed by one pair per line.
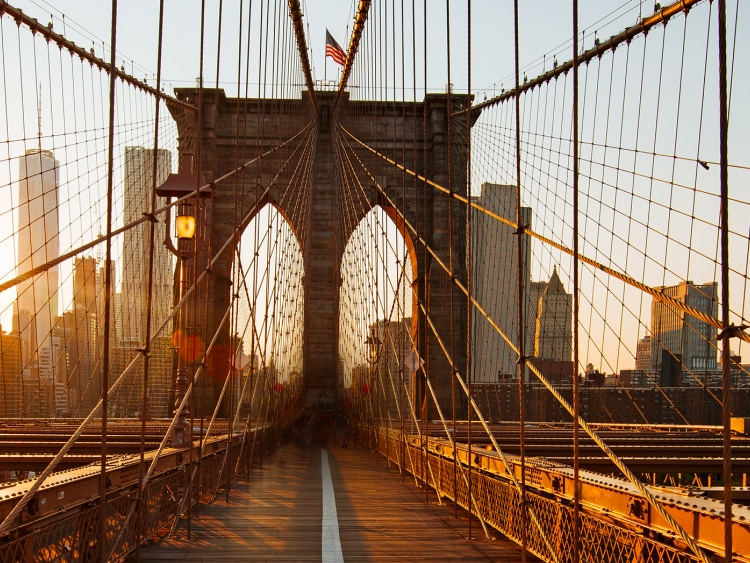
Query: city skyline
x,y
138,162
616,350
58,370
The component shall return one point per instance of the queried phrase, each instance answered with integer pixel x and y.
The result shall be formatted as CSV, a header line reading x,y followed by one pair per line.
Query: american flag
x,y
334,50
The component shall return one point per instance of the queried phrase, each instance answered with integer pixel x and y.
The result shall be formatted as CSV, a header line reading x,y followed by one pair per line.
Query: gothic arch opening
x,y
378,310
267,326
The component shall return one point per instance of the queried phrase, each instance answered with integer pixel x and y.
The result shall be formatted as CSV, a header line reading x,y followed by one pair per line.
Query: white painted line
x,y
331,540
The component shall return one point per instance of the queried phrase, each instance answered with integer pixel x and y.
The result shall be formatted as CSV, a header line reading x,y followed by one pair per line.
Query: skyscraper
x,y
682,336
139,164
85,380
38,243
495,283
391,379
115,329
643,353
554,322
11,386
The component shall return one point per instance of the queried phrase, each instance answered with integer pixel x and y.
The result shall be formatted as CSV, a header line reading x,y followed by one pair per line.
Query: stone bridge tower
x,y
238,130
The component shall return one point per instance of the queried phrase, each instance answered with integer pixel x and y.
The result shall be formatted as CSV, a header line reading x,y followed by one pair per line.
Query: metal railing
x,y
63,521
616,522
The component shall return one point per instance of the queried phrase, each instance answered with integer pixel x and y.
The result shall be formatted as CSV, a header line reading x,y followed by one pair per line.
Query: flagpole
x,y
325,64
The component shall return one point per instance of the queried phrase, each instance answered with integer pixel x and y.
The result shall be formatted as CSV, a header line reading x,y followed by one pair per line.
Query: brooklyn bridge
x,y
470,284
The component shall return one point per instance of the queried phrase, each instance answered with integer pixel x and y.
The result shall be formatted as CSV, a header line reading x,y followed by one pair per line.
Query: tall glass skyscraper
x,y
139,166
38,243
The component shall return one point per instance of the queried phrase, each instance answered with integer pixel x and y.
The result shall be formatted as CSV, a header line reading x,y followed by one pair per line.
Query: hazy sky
x,y
546,27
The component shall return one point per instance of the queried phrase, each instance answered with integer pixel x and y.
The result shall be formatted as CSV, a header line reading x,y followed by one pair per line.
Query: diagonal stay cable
x,y
243,223
509,470
6,524
588,429
448,356
168,434
524,229
202,366
206,187
354,187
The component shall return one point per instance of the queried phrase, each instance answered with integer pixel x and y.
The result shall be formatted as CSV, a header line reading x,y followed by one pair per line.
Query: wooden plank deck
x,y
277,516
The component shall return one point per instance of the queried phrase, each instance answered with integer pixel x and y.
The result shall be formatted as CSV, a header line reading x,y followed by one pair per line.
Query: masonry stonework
x,y
237,131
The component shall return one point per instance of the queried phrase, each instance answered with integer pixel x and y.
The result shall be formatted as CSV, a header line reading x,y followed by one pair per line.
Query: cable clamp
x,y
521,361
732,331
150,216
521,230
145,351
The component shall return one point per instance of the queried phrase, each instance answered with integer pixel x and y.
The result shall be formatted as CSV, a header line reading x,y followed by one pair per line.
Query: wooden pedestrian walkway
x,y
285,514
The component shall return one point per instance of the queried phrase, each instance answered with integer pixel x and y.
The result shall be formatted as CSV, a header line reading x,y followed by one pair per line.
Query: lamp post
x,y
182,432
180,185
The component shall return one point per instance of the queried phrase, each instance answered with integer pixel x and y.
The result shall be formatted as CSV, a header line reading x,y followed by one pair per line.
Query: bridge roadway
x,y
286,512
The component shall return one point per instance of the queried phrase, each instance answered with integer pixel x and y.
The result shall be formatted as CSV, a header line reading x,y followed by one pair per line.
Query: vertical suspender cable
x,y
401,293
383,82
150,284
204,209
519,279
101,547
234,353
468,250
725,352
576,410
258,176
449,123
241,274
199,152
426,271
207,240
415,265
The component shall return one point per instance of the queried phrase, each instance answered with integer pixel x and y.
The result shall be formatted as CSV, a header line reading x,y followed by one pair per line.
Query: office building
x,y
681,342
554,322
494,283
11,389
83,353
643,353
138,184
391,380
38,243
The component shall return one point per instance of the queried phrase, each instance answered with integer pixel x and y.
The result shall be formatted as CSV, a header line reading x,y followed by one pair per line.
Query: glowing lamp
x,y
373,345
185,225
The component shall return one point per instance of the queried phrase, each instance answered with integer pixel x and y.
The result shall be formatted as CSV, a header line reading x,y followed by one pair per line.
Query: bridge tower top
x,y
235,132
